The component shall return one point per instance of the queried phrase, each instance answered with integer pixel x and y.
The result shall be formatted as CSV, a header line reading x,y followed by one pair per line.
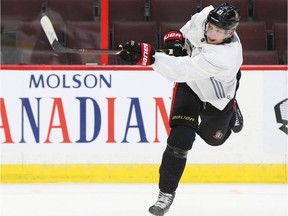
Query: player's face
x,y
215,35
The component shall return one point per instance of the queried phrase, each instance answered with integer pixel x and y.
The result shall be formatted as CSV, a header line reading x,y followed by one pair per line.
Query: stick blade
x,y
48,29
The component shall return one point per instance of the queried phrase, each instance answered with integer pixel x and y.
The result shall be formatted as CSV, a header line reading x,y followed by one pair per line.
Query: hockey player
x,y
205,66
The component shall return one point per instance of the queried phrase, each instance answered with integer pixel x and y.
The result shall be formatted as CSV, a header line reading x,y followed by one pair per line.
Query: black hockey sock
x,y
171,170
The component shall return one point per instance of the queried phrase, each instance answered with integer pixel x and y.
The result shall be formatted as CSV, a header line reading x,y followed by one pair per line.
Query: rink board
x,y
110,124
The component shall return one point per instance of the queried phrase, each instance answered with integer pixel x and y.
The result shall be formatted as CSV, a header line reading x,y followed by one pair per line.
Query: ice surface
x,y
135,199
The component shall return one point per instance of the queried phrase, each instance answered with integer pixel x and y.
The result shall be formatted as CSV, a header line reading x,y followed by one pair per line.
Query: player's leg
x,y
174,158
216,125
172,166
185,110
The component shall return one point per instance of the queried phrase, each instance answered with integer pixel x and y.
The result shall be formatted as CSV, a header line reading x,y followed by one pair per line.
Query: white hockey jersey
x,y
210,70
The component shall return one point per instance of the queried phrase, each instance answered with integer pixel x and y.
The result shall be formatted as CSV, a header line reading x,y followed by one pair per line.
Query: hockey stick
x,y
57,47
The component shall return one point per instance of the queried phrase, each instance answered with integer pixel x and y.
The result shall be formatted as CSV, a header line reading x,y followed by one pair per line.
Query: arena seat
x,y
270,11
252,35
242,5
123,32
83,35
20,10
280,41
30,35
15,11
127,10
263,57
137,31
172,11
70,10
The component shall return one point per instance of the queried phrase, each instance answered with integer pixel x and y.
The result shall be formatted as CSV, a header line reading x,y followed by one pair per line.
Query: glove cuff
x,y
147,53
173,35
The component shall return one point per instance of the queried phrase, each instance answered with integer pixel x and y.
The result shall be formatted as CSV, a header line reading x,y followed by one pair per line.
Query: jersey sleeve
x,y
214,61
182,69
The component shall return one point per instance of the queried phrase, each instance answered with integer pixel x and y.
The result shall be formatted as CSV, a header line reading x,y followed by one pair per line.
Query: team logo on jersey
x,y
218,135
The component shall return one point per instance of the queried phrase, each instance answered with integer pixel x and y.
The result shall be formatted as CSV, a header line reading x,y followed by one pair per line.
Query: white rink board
x,y
131,94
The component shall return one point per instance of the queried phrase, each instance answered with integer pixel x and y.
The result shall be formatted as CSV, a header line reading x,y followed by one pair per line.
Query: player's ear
x,y
231,33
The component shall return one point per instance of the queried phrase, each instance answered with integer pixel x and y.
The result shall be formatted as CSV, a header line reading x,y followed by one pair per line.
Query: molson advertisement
x,y
81,108
87,109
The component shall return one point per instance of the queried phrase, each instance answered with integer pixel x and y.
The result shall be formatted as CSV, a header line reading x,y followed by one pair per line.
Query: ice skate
x,y
163,204
239,122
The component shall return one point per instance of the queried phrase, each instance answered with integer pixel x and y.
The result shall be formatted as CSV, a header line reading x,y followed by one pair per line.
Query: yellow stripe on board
x,y
141,173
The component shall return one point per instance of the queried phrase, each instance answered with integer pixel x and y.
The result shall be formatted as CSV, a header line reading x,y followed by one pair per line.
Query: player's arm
x,y
142,53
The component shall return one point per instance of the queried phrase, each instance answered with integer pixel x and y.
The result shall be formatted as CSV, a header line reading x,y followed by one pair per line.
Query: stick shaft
x,y
57,47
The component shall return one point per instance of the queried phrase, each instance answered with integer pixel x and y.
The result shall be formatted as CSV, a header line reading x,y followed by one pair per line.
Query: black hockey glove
x,y
137,53
174,40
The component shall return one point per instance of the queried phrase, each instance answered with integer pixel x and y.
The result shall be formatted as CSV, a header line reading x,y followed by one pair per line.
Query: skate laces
x,y
164,200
